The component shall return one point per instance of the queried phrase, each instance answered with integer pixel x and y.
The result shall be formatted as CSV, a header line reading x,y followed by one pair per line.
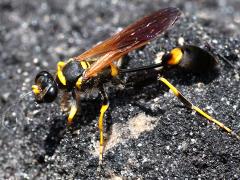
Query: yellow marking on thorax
x,y
85,64
114,70
60,75
79,82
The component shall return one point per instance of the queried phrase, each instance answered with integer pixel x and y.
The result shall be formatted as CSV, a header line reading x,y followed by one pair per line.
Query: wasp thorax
x,y
72,71
45,88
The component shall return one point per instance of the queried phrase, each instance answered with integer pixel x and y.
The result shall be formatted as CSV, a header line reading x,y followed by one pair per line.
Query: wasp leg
x,y
195,108
65,102
72,112
74,106
104,108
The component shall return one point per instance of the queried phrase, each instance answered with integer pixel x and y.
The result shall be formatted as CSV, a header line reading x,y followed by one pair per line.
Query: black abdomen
x,y
196,59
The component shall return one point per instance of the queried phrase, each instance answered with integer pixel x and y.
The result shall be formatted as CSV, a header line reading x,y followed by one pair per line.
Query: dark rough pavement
x,y
153,136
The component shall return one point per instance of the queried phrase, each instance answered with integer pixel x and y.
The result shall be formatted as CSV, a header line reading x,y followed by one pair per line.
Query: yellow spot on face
x,y
176,56
36,90
79,82
60,75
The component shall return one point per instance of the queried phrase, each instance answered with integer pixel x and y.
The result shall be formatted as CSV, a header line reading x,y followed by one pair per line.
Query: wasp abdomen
x,y
196,59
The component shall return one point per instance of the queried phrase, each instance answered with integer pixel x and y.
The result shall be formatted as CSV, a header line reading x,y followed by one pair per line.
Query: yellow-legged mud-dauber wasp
x,y
92,68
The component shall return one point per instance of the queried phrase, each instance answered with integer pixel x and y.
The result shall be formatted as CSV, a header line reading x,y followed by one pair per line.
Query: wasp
x,y
92,68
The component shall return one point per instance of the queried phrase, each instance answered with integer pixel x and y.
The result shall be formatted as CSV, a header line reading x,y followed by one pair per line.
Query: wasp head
x,y
45,88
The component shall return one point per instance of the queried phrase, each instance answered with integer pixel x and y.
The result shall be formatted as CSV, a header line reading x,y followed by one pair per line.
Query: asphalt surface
x,y
153,135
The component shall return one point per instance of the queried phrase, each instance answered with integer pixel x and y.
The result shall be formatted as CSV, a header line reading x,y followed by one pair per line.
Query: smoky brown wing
x,y
103,61
136,34
106,59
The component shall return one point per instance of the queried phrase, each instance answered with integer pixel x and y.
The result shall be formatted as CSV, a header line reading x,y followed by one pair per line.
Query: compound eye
x,y
51,94
45,88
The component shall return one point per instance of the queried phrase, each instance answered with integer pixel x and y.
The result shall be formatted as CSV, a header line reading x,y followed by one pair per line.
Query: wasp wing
x,y
103,61
134,35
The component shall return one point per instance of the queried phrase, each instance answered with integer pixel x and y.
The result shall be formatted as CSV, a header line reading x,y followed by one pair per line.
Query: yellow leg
x,y
100,126
198,110
72,113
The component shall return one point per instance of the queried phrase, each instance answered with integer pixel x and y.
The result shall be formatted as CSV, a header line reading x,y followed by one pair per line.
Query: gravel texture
x,y
153,135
